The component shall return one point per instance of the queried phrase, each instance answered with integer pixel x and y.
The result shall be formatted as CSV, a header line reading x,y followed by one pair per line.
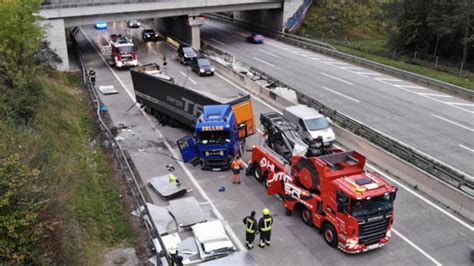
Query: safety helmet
x,y
266,211
174,249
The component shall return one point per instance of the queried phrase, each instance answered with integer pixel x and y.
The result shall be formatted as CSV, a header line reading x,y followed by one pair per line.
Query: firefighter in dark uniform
x,y
92,75
265,228
174,258
250,229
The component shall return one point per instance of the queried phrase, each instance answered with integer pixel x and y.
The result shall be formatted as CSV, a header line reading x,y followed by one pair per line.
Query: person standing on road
x,y
92,75
236,165
265,228
250,229
174,258
165,62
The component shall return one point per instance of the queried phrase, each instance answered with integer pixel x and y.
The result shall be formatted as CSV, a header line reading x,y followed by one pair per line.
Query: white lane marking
x,y
352,68
243,34
435,95
336,78
431,98
219,216
340,94
461,104
409,87
427,201
268,53
187,76
454,123
467,148
263,61
368,73
216,41
388,79
340,63
417,248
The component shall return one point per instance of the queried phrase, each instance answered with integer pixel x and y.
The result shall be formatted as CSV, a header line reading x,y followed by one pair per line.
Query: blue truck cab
x,y
215,141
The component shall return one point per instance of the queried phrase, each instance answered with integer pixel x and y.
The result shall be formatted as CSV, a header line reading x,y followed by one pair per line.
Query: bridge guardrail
x,y
436,168
120,155
325,48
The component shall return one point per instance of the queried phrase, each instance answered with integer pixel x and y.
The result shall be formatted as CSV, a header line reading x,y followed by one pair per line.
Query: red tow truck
x,y
353,208
123,51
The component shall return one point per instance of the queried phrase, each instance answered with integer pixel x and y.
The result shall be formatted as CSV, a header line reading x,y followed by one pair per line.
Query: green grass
x,y
429,72
78,173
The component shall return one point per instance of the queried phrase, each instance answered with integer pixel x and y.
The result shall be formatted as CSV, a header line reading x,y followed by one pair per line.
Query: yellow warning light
x,y
361,189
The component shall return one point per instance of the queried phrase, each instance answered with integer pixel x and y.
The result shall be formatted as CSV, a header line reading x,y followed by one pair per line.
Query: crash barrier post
x,y
121,156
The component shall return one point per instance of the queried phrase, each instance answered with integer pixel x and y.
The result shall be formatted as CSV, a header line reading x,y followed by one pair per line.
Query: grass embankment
x,y
361,49
361,30
85,201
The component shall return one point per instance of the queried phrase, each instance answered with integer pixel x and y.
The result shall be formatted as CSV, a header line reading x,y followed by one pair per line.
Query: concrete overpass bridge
x,y
174,16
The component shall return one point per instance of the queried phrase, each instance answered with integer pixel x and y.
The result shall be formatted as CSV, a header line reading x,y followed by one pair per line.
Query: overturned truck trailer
x,y
175,104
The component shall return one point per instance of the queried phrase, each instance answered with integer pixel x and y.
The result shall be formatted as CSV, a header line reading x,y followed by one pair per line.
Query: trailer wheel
x,y
307,216
330,234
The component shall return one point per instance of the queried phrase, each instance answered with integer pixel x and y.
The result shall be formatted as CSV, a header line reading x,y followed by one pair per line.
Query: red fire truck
x,y
353,208
123,51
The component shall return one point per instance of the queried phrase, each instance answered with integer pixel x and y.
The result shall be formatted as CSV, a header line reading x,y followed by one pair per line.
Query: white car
x,y
311,121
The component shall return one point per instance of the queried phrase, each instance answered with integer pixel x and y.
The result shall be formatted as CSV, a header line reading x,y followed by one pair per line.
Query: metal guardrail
x,y
436,168
325,48
121,157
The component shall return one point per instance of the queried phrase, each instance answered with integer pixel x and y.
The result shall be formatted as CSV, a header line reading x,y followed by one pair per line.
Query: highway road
x,y
432,122
424,233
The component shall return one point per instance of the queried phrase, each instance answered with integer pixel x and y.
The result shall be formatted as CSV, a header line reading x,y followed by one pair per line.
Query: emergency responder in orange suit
x,y
265,228
250,229
236,166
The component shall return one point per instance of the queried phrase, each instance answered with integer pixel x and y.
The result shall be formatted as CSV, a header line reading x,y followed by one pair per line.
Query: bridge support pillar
x,y
56,36
195,23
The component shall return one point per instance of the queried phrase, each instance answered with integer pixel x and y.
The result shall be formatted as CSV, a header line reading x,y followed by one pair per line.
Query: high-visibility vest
x,y
236,164
267,224
249,224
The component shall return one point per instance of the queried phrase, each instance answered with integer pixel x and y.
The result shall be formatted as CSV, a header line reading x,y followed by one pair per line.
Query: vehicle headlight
x,y
221,153
352,242
389,233
213,69
201,70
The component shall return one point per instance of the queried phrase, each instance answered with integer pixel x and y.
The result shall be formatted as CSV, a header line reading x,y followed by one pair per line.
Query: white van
x,y
311,121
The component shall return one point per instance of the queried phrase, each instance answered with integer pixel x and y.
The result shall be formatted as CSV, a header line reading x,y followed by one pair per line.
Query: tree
x,y
21,200
439,20
21,39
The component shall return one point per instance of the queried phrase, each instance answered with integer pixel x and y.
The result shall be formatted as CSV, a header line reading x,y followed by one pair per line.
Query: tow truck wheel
x,y
258,174
307,216
330,235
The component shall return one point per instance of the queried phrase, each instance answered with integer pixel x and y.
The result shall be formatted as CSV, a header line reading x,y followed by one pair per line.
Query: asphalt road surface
x,y
423,235
432,122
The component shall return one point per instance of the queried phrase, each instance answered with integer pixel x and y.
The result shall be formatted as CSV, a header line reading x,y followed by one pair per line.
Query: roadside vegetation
x,y
434,38
59,202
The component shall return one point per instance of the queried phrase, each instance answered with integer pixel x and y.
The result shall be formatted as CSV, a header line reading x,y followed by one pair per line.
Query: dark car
x,y
133,23
255,38
185,54
202,66
149,35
